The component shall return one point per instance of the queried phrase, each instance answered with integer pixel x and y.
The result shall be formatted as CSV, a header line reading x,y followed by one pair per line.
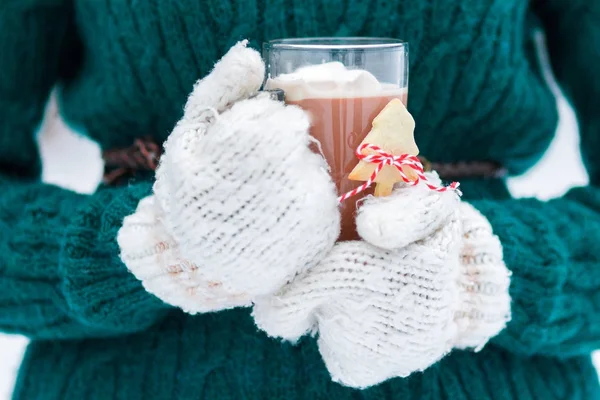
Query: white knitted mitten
x,y
241,204
484,282
382,313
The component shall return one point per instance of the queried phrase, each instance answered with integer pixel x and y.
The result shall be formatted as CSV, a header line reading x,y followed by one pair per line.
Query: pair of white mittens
x,y
244,213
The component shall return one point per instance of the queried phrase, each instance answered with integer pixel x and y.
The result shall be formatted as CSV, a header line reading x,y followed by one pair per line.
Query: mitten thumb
x,y
410,214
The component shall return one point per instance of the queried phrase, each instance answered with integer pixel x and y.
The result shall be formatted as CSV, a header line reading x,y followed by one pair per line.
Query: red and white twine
x,y
382,158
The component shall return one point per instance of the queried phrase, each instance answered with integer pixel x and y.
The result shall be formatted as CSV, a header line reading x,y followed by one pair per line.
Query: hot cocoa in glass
x,y
343,83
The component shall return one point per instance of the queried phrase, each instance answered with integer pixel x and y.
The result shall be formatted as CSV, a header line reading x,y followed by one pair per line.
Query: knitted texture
x,y
241,204
475,92
484,306
379,314
422,213
386,313
61,275
399,306
555,292
220,356
471,78
178,253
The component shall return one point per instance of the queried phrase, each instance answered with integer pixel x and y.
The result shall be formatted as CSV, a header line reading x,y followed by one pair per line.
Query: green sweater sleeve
x,y
553,248
60,272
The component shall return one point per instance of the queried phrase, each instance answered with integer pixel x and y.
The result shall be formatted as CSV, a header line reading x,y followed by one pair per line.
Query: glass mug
x,y
343,83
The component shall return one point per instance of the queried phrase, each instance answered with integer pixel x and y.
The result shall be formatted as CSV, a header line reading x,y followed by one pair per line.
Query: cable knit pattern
x,y
125,69
142,58
193,357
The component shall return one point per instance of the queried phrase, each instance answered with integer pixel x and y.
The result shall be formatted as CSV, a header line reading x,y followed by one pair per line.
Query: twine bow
x,y
382,158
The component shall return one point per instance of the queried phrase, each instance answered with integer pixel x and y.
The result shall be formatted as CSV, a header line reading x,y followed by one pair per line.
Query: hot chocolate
x,y
342,104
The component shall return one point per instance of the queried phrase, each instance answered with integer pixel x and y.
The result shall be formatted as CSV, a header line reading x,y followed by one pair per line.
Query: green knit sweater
x,y
124,68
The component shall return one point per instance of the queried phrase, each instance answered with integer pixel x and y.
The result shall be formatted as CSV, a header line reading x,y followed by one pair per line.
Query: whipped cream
x,y
330,80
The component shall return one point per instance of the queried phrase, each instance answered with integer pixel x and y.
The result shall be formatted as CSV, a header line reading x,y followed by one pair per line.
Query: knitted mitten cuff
x,y
153,256
483,283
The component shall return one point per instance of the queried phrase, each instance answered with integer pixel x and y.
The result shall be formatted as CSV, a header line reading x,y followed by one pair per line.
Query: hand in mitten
x,y
401,299
241,204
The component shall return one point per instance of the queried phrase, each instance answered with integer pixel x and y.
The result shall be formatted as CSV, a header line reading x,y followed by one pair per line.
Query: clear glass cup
x,y
343,83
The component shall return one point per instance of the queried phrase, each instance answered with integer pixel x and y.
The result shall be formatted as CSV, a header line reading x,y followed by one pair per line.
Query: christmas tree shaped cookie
x,y
393,131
